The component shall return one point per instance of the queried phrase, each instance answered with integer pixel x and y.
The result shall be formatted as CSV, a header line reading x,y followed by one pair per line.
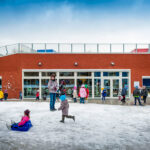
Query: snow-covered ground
x,y
97,127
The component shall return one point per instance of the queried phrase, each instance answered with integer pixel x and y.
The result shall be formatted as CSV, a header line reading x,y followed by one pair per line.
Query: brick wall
x,y
12,65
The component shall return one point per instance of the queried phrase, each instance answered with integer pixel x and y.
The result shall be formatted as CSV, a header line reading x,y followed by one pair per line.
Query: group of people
x,y
3,95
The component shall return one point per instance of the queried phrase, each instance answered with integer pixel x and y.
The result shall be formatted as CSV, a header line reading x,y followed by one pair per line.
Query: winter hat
x,y
62,97
5,91
82,85
75,88
136,87
27,112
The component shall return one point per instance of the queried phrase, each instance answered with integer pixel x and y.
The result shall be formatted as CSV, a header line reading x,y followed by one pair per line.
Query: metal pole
x,y
110,48
32,47
97,48
6,50
58,47
19,48
71,47
123,47
84,48
149,48
45,47
136,49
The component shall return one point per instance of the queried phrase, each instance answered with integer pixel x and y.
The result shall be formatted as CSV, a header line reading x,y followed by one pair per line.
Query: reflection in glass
x,y
106,74
115,87
97,87
68,85
30,87
44,85
85,81
84,74
48,74
32,74
66,73
107,87
125,83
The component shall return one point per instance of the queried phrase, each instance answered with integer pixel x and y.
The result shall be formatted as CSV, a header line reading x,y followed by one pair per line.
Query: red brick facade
x,y
11,66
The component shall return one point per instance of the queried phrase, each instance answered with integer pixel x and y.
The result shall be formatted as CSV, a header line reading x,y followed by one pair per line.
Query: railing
x,y
75,48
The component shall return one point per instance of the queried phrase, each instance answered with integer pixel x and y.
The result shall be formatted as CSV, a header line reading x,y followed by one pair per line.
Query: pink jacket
x,y
82,92
23,120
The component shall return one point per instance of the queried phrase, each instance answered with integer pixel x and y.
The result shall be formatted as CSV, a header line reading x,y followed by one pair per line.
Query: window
x,y
97,87
30,87
125,84
125,74
32,74
68,85
66,74
48,74
84,74
88,82
146,82
97,74
106,74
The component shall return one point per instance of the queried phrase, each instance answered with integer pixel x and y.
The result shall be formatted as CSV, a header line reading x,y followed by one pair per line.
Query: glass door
x,y
107,86
115,87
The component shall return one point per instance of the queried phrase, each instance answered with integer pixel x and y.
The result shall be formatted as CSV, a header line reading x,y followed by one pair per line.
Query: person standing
x,y
52,86
82,94
87,92
124,93
1,95
75,94
104,94
5,95
136,94
144,93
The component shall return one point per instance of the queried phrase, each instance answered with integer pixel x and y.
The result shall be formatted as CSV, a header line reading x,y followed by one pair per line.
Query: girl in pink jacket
x,y
24,119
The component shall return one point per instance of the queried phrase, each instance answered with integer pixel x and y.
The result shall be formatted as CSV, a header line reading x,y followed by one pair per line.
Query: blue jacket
x,y
104,94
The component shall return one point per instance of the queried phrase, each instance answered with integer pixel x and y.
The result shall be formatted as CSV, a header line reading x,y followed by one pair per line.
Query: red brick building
x,y
29,72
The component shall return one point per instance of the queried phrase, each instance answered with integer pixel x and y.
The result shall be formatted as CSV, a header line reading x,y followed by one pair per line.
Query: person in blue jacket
x,y
104,94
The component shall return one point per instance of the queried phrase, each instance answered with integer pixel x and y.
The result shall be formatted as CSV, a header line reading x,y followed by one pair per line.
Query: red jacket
x,y
37,94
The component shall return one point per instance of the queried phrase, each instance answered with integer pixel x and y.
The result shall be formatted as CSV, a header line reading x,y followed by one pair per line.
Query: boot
x,y
63,119
72,117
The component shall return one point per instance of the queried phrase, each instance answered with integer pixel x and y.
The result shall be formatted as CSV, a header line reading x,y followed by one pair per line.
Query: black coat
x,y
144,92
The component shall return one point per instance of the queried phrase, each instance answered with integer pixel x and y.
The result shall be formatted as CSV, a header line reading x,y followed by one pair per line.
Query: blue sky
x,y
74,21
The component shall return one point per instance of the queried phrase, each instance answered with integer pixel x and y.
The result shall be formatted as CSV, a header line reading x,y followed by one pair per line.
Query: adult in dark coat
x,y
144,93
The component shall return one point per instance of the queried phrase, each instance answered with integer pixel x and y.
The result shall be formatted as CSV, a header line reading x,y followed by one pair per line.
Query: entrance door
x,y
112,87
115,86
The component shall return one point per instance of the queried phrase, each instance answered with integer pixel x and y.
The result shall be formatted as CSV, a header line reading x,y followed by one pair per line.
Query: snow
x,y
97,127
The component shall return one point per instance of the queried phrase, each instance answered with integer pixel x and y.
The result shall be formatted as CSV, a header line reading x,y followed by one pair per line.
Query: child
x,y
64,107
45,95
103,94
119,94
87,92
75,94
82,94
23,123
1,95
37,95
5,95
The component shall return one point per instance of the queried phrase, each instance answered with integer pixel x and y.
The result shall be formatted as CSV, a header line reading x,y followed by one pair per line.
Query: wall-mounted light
x,y
39,63
112,63
76,64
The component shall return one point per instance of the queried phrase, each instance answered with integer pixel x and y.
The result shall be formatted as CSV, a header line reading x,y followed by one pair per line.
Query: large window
x,y
125,84
85,74
68,85
48,74
87,82
107,74
31,74
66,74
97,87
111,80
30,87
146,82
